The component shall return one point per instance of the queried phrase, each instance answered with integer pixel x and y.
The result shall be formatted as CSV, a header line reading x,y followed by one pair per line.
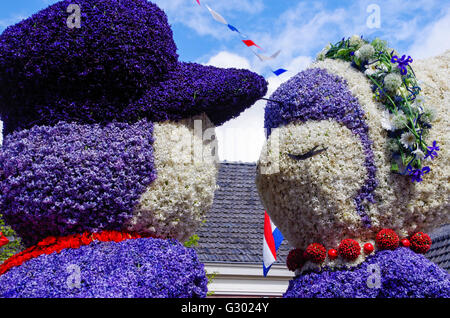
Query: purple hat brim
x,y
192,89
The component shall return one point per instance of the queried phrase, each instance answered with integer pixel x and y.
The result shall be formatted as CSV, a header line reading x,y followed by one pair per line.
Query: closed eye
x,y
313,152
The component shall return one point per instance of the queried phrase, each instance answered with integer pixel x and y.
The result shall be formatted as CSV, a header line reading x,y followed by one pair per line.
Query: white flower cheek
x,y
176,203
313,200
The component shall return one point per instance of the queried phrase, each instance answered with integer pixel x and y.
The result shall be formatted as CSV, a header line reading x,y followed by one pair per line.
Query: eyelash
x,y
313,152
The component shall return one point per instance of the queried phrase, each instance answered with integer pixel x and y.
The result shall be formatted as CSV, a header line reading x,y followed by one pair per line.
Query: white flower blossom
x,y
408,139
429,115
386,120
399,120
365,52
419,154
392,82
321,55
356,40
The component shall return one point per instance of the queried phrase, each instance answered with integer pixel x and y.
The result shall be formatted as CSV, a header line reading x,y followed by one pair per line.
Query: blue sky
x,y
300,29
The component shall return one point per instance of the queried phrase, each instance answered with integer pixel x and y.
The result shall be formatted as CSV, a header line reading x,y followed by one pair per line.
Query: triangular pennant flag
x,y
217,16
232,28
279,71
264,58
198,1
251,43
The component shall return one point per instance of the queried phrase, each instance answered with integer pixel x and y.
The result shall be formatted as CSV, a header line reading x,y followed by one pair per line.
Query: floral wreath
x,y
406,118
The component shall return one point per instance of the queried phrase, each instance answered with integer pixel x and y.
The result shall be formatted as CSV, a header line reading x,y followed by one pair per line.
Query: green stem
x,y
379,86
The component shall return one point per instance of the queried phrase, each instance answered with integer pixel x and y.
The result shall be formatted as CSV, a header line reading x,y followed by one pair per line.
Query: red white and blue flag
x,y
271,243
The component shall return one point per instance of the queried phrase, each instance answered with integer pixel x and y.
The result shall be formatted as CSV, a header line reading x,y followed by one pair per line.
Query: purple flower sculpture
x,y
387,274
71,178
120,65
140,268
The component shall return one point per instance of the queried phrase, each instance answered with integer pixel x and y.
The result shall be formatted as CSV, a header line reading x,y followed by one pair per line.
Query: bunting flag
x,y
272,241
217,16
279,71
264,58
249,43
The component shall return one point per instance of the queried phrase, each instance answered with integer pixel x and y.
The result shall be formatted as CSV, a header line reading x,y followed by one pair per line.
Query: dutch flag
x,y
271,243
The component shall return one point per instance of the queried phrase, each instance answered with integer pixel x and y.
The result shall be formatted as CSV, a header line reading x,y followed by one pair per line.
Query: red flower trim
x,y
406,243
316,253
387,239
52,244
368,248
349,249
295,259
332,254
420,242
3,240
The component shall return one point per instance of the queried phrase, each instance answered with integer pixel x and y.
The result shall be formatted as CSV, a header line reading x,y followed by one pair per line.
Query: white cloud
x,y
433,40
226,59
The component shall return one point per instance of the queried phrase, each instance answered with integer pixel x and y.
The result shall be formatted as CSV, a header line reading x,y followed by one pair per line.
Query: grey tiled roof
x,y
234,226
233,231
440,247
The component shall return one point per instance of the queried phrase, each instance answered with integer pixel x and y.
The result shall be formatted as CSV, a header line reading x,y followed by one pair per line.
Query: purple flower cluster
x,y
193,89
141,268
71,178
315,94
121,48
402,274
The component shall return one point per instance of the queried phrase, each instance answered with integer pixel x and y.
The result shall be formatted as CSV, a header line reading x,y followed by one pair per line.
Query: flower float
x,y
356,161
98,170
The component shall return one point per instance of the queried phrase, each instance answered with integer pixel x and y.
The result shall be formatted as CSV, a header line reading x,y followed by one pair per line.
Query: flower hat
x,y
120,65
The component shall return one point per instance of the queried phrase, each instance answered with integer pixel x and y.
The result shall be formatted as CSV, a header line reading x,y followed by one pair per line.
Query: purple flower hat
x,y
120,64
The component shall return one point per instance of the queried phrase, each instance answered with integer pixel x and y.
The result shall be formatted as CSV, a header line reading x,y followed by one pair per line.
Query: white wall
x,y
244,280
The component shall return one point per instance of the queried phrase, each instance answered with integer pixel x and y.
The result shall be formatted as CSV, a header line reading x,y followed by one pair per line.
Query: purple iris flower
x,y
432,151
416,175
403,62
